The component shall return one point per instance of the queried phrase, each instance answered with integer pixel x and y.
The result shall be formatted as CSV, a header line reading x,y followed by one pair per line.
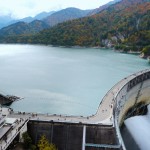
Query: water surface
x,y
59,80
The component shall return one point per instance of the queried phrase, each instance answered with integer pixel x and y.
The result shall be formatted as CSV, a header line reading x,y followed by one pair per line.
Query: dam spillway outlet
x,y
137,110
136,132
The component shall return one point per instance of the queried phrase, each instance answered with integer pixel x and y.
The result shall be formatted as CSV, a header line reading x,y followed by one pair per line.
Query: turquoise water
x,y
59,80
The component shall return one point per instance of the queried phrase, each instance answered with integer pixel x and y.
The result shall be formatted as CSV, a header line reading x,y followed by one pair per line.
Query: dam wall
x,y
97,132
140,94
72,136
134,93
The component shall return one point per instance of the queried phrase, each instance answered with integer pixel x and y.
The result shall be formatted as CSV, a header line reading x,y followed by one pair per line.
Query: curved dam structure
x,y
100,131
134,93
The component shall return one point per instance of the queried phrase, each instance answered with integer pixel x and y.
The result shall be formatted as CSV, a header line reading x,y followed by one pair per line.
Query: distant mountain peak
x,y
65,15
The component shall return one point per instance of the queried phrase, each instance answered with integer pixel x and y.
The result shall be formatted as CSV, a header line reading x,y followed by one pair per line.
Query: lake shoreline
x,y
141,55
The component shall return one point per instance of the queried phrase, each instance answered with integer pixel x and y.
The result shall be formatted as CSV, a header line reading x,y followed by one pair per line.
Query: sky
x,y
24,8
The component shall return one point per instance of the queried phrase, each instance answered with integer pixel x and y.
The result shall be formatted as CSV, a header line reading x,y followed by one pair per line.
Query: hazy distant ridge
x,y
27,25
8,20
21,28
65,15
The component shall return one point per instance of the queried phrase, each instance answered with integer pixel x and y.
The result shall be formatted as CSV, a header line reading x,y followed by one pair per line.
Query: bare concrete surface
x,y
19,146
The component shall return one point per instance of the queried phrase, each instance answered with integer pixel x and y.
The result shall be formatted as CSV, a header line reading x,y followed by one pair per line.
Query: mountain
x,y
51,18
124,25
4,20
26,19
103,7
43,15
8,20
65,15
38,25
20,28
39,16
28,24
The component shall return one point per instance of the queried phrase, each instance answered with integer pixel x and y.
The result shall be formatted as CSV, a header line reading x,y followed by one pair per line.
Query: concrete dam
x,y
97,132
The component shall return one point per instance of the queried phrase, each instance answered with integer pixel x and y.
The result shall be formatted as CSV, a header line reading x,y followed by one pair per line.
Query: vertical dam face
x,y
71,136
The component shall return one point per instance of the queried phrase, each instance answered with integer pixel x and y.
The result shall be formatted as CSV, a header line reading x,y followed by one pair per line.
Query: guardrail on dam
x,y
100,131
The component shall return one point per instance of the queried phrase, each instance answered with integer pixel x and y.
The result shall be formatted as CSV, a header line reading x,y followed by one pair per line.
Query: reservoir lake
x,y
57,80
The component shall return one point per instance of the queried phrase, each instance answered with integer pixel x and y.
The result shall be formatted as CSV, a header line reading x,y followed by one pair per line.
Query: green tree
x,y
27,140
146,50
43,144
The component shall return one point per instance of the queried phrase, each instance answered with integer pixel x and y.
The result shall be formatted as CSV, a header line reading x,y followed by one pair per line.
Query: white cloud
x,y
23,8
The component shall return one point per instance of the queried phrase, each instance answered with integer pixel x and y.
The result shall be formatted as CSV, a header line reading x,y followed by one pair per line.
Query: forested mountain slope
x,y
124,25
21,28
101,8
